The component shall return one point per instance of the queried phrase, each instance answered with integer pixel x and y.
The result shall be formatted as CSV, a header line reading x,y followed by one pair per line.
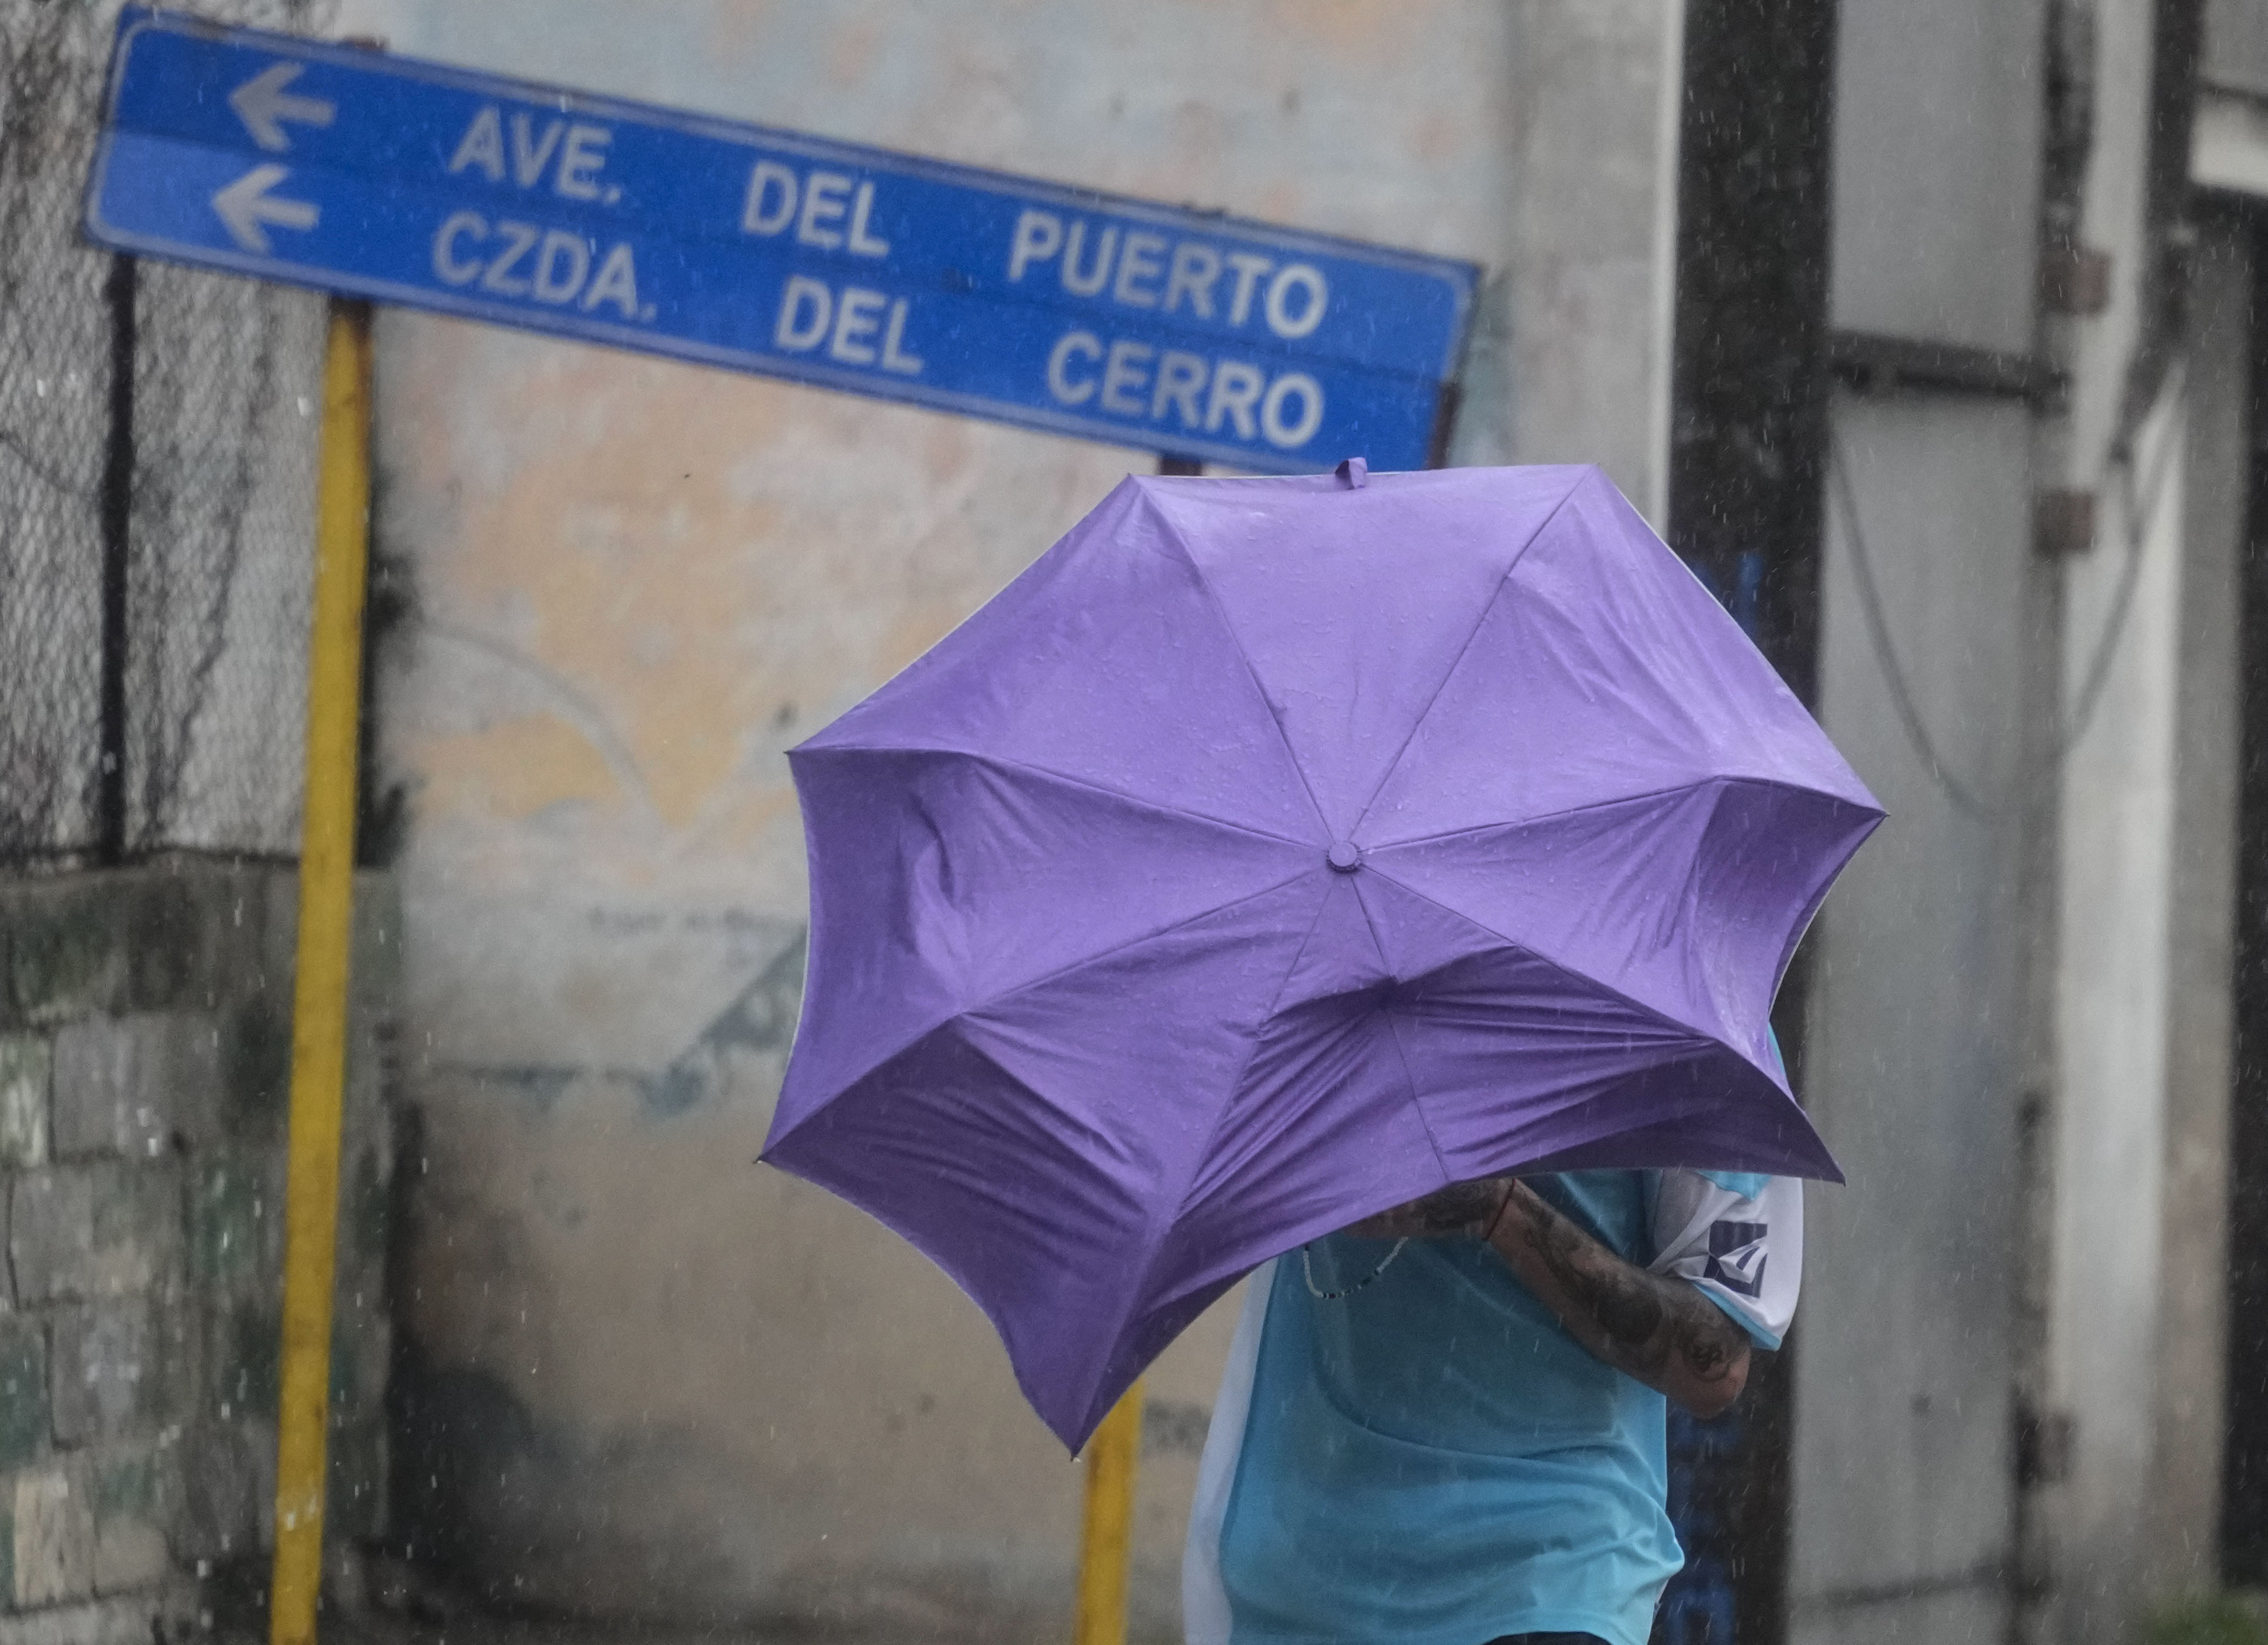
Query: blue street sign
x,y
1184,332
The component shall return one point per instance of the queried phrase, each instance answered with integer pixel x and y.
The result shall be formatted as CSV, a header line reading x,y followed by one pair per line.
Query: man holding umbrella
x,y
1275,851
1461,1440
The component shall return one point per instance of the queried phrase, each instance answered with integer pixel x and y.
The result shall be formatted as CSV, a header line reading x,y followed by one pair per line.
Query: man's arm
x,y
1660,1331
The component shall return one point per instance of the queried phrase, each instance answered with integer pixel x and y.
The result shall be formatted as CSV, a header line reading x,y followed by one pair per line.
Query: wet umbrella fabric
x,y
1274,852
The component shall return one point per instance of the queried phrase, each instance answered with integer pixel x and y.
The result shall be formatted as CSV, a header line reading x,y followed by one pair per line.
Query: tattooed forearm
x,y
1661,1332
1461,1208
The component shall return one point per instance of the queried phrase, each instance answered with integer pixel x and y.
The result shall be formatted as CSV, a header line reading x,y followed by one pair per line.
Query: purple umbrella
x,y
1274,852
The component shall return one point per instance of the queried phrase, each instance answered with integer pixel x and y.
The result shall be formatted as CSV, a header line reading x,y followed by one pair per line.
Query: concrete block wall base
x,y
144,1062
167,1609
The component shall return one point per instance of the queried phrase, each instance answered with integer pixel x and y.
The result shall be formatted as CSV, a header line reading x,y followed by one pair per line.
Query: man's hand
x,y
1660,1331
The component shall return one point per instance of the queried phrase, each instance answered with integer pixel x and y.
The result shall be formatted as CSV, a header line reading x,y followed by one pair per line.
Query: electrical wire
x,y
1878,632
2139,509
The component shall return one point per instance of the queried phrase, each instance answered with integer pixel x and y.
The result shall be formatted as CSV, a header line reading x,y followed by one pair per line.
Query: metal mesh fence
x,y
54,388
155,536
227,386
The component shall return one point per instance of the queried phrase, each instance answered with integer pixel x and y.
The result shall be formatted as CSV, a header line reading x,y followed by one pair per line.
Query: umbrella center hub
x,y
1345,856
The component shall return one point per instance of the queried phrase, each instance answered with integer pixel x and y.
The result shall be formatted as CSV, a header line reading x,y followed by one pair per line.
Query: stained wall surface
x,y
649,1376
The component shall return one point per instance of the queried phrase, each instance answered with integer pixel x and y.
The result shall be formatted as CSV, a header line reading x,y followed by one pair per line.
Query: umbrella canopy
x,y
1274,852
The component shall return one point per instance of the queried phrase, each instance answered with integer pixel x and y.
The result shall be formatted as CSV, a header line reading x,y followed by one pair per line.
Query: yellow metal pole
x,y
1112,1457
318,1016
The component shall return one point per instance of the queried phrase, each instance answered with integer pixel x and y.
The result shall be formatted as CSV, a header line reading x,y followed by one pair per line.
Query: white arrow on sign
x,y
263,105
246,203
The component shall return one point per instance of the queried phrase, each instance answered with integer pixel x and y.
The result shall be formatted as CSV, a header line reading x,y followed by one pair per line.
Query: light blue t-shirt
x,y
1431,1460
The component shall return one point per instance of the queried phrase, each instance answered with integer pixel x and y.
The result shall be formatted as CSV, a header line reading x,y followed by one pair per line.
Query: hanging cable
x,y
2138,512
1878,632
2139,509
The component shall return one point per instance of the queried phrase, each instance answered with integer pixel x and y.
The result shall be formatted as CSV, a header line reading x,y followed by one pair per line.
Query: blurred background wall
x,y
646,1374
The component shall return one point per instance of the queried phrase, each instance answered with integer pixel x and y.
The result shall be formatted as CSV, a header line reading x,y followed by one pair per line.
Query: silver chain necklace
x,y
1307,1270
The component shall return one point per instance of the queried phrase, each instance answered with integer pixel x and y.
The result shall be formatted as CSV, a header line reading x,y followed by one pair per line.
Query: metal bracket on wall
x,y
2075,280
1871,363
2063,522
2044,1442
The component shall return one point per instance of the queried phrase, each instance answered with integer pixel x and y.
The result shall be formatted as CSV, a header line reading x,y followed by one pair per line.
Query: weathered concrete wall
x,y
1904,1476
653,1376
145,1067
1904,1359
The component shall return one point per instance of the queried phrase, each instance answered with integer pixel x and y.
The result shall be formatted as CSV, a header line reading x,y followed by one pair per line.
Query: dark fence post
x,y
117,518
1750,391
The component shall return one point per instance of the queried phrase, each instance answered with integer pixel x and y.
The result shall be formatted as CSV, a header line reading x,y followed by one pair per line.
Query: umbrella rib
x,y
1674,790
1157,1239
1001,763
963,1007
1052,774
1289,971
1654,1013
1449,673
1252,1049
1394,1033
1618,799
1155,1236
1236,644
1416,1103
1171,926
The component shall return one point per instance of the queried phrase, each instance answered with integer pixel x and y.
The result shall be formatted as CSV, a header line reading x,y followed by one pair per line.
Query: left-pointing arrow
x,y
244,205
263,105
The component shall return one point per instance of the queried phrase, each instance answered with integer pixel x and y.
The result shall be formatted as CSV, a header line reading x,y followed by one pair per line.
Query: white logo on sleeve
x,y
1736,1257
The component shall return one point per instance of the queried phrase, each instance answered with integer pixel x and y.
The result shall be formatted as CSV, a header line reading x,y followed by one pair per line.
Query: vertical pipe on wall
x,y
318,1019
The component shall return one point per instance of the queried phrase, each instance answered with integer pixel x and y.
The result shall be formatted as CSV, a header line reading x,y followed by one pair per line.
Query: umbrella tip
x,y
1353,473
